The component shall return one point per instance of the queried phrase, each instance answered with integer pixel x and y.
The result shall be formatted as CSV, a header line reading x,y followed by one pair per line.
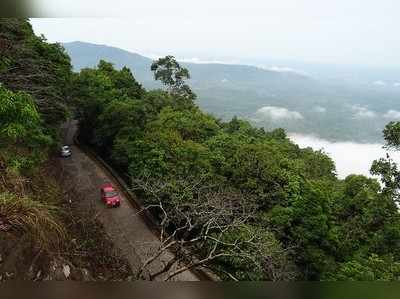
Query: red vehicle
x,y
110,196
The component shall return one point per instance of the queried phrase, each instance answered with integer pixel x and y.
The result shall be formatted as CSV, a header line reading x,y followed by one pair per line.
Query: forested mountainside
x,y
299,103
245,202
42,235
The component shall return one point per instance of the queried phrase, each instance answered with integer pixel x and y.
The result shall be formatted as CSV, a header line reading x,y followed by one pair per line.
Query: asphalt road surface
x,y
124,225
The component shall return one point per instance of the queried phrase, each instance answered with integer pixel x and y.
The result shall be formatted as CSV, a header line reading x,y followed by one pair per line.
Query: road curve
x,y
125,227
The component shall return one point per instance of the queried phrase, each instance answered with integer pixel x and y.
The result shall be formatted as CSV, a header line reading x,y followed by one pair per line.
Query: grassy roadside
x,y
45,235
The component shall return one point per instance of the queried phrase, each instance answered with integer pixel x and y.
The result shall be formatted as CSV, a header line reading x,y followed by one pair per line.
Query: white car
x,y
66,151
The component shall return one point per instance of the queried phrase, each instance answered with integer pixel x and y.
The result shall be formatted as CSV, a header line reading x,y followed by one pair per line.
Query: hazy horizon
x,y
301,31
270,63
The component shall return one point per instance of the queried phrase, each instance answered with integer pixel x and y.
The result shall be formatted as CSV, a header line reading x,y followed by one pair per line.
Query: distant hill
x,y
203,75
88,55
223,89
300,104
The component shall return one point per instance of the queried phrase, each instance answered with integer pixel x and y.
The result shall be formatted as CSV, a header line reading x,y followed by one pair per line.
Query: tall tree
x,y
386,168
173,75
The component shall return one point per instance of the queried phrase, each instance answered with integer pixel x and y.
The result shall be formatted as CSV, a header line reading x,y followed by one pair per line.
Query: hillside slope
x,y
328,110
44,232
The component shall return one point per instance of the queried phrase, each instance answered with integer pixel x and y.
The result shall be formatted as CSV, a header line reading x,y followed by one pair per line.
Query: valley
x,y
241,172
330,108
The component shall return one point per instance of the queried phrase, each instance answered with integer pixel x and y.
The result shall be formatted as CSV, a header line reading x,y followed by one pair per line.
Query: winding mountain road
x,y
124,225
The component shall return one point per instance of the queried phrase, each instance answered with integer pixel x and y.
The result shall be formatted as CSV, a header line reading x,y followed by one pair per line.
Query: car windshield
x,y
110,193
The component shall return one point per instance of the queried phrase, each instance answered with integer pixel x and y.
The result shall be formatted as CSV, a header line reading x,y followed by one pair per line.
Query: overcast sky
x,y
339,31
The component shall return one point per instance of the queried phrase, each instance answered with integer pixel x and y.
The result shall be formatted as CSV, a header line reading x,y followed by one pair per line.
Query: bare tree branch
x,y
201,227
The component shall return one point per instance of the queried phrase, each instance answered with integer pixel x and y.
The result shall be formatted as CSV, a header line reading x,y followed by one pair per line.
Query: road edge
x,y
202,273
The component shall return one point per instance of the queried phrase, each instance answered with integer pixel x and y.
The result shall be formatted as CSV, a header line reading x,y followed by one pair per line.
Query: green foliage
x,y
190,124
317,164
29,63
229,90
19,118
23,142
34,79
304,222
94,91
391,134
321,223
310,224
386,168
371,268
173,75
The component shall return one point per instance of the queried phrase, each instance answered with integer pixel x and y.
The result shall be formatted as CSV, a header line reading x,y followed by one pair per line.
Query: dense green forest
x,y
312,225
248,202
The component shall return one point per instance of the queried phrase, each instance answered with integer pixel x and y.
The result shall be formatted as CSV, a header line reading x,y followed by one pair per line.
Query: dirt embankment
x,y
86,253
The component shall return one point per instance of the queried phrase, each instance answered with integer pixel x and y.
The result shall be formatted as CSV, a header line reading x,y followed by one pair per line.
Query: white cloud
x,y
396,84
362,112
224,80
281,69
278,113
195,60
319,109
284,69
392,114
349,157
203,61
380,83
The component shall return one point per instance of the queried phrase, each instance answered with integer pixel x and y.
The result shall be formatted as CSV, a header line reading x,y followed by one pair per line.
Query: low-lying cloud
x,y
197,60
284,69
380,83
362,112
278,113
392,114
349,157
319,109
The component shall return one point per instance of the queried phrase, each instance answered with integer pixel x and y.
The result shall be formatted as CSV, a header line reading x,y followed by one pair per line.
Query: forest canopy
x,y
249,202
321,228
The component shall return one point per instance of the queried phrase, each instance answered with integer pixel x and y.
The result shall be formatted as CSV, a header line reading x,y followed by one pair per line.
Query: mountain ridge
x,y
70,46
85,54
